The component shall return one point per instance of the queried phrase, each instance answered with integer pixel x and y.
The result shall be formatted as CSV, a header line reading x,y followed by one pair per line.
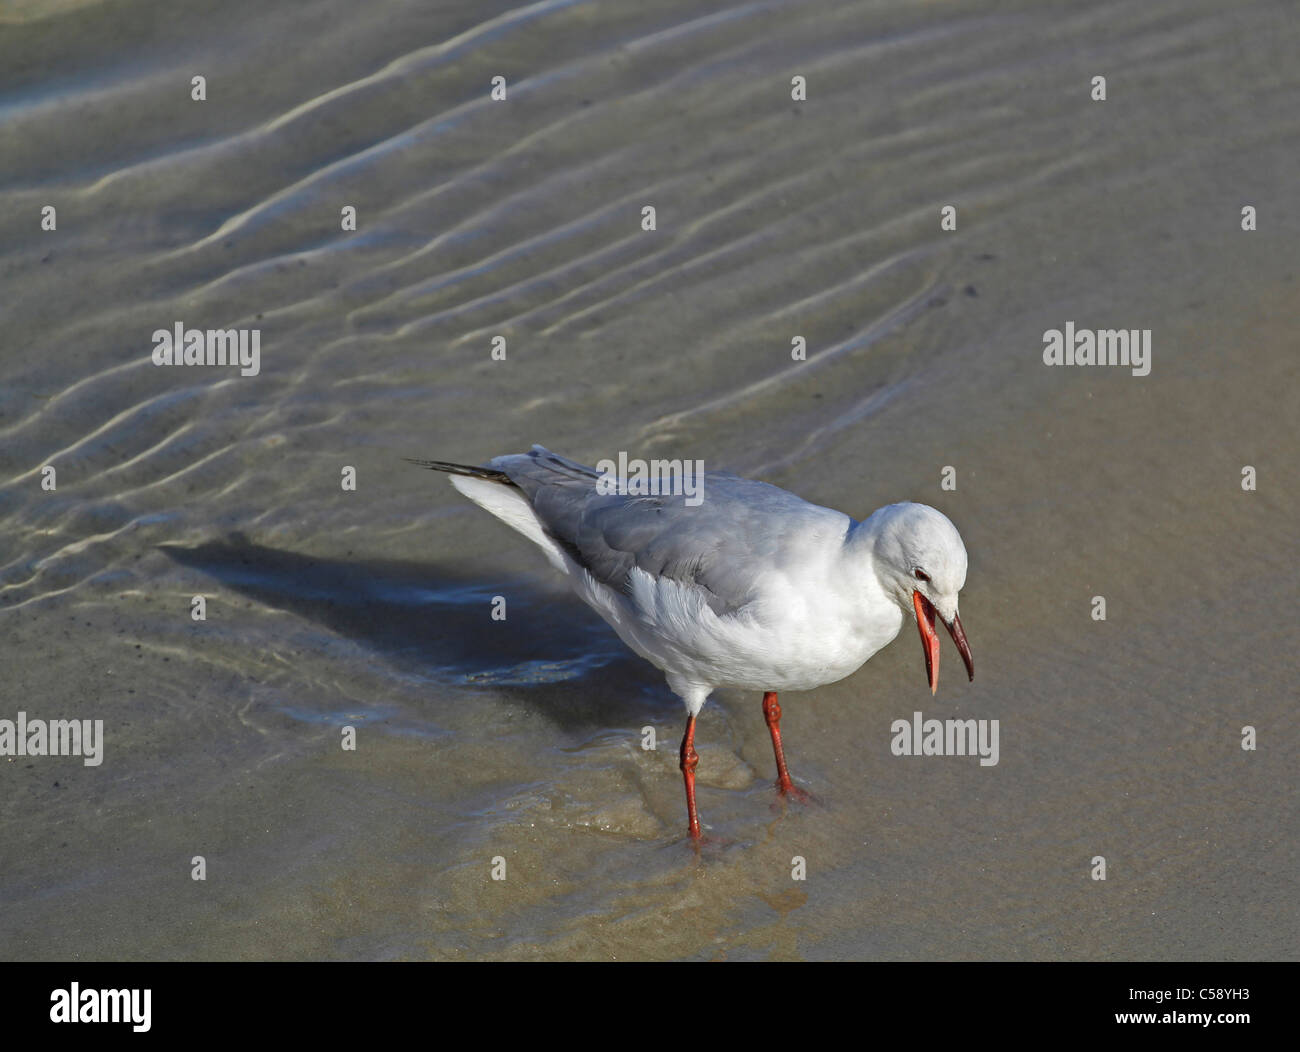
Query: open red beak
x,y
930,639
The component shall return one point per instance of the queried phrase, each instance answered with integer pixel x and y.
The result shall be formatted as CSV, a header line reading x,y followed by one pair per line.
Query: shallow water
x,y
521,739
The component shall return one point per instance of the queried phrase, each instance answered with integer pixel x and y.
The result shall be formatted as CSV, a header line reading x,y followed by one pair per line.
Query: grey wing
x,y
721,545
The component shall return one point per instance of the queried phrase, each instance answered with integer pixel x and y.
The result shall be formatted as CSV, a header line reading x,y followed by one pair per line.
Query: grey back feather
x,y
713,545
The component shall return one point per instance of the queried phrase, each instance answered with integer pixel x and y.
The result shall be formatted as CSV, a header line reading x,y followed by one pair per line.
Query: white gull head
x,y
920,562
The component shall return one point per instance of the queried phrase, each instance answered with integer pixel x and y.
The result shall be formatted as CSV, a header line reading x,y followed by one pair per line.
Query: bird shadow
x,y
550,653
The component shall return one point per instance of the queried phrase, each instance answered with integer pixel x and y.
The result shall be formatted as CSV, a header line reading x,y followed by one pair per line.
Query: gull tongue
x,y
929,638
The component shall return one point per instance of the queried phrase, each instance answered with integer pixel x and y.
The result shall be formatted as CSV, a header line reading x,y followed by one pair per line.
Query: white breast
x,y
800,633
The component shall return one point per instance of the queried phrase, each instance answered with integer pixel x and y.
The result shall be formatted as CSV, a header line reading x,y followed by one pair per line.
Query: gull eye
x,y
921,575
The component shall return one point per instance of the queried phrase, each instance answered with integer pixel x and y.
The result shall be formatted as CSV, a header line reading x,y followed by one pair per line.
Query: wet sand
x,y
521,739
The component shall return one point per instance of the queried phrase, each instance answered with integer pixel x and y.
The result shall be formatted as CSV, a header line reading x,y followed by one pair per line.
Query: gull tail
x,y
496,492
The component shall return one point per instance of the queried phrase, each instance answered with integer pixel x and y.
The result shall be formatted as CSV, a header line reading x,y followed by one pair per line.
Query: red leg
x,y
690,760
772,714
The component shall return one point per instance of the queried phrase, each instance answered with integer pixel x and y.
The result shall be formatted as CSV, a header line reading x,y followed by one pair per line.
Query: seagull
x,y
750,587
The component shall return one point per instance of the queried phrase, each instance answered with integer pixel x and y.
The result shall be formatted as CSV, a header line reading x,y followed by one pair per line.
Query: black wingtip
x,y
489,474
